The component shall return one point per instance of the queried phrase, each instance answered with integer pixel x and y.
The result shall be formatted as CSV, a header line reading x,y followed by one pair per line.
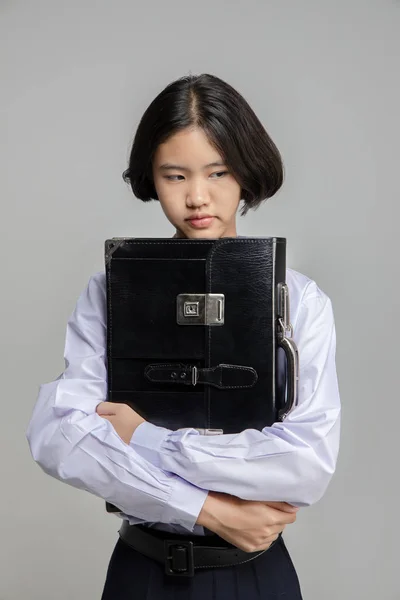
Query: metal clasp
x,y
209,431
194,375
283,310
290,349
204,431
200,309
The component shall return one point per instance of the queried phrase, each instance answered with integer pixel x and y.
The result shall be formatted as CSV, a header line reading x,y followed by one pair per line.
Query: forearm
x,y
81,449
291,461
291,471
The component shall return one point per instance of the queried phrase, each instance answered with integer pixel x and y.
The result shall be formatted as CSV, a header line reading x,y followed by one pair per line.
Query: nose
x,y
197,195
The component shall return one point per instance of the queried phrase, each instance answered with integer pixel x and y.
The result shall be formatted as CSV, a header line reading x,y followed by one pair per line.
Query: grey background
x,y
324,79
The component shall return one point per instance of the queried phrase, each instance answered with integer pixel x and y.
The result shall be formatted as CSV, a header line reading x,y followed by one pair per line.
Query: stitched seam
x,y
238,563
173,365
212,253
233,387
233,564
238,367
197,242
110,374
273,324
141,243
157,258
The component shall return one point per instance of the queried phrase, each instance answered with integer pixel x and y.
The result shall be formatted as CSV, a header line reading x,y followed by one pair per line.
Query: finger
x,y
283,506
275,530
268,541
106,408
276,517
285,518
261,547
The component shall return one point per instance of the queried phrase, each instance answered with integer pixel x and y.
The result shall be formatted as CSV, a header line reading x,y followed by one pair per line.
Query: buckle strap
x,y
222,376
182,555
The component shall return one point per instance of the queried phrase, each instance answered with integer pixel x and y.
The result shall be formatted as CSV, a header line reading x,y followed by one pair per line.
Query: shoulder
x,y
95,288
97,281
92,298
305,296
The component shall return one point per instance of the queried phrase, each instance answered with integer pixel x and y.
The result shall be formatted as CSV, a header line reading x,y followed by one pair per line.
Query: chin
x,y
205,234
208,233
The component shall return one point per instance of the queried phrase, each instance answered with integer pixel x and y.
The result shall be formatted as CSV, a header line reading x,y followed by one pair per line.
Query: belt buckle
x,y
178,558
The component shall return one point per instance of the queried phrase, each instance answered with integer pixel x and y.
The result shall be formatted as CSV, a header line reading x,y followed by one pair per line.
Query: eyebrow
x,y
169,166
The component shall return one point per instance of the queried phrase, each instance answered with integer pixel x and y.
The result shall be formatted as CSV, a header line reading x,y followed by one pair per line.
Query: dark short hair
x,y
230,124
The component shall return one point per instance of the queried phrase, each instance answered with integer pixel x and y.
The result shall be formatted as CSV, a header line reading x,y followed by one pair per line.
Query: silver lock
x,y
200,309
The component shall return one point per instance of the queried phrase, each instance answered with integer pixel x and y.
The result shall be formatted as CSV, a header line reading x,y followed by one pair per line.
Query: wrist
x,y
138,421
134,426
207,516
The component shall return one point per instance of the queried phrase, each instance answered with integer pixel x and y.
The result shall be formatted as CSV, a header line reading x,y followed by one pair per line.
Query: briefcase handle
x,y
292,357
284,328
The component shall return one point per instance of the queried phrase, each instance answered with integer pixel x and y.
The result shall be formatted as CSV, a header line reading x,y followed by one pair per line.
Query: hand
x,y
249,525
123,418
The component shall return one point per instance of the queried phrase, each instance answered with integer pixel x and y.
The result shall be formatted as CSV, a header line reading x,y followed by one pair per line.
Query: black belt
x,y
182,554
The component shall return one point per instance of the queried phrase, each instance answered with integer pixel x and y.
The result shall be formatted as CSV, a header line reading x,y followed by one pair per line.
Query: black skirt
x,y
133,576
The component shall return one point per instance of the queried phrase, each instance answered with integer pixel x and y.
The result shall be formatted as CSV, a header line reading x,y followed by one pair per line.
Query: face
x,y
197,193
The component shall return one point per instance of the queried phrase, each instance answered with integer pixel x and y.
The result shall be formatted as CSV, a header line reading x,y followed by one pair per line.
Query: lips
x,y
199,217
201,221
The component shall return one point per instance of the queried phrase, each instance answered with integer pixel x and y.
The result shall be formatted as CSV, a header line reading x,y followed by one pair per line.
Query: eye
x,y
173,177
219,174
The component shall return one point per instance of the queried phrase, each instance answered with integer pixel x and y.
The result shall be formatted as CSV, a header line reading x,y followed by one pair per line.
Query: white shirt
x,y
162,477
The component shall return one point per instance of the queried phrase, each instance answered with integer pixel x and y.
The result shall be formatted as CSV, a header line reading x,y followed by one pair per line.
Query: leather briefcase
x,y
198,332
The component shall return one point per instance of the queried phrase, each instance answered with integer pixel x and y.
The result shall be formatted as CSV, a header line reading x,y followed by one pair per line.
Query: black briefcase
x,y
198,332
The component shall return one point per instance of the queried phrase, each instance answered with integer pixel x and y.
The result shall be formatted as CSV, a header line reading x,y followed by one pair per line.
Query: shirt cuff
x,y
186,500
184,504
147,440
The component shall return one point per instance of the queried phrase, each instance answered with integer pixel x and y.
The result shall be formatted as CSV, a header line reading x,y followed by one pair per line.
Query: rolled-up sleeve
x,y
72,443
290,461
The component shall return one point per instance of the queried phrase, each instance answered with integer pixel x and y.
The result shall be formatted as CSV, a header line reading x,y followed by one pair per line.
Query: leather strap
x,y
222,376
181,554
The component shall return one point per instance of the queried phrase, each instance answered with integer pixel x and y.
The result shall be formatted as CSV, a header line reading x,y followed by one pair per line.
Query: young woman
x,y
200,151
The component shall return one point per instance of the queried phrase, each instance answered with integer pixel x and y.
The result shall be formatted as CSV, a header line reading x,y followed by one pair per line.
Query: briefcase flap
x,y
195,316
143,305
160,289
